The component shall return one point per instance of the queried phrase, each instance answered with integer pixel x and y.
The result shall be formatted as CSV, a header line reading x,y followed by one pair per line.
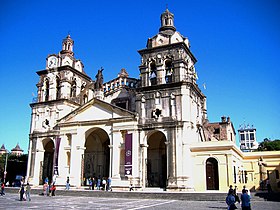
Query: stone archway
x,y
97,154
156,160
47,170
212,174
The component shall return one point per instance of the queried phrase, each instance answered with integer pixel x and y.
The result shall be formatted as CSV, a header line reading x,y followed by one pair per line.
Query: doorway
x,y
97,154
48,161
212,174
156,160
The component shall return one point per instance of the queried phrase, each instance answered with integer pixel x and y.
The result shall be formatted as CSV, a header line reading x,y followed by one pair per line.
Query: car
x,y
18,180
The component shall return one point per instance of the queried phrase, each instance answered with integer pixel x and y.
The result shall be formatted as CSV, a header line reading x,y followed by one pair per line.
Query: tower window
x,y
58,88
47,90
168,71
153,75
73,89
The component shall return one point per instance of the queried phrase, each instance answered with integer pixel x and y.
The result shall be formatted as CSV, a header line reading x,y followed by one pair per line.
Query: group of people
x,y
24,192
232,198
49,189
98,183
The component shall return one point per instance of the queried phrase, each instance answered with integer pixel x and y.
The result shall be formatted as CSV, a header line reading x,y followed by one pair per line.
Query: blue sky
x,y
236,43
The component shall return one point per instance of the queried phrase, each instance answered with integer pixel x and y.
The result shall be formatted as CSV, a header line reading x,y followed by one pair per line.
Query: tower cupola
x,y
167,23
67,46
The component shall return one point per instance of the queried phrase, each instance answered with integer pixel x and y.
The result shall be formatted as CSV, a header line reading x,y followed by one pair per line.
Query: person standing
x,y
27,191
45,188
236,195
98,183
230,200
67,183
268,186
245,200
109,181
93,183
104,183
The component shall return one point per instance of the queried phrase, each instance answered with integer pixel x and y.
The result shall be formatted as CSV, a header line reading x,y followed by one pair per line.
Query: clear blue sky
x,y
236,43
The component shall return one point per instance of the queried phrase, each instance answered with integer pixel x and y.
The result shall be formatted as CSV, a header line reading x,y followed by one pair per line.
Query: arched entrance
x,y
97,154
156,160
48,160
212,174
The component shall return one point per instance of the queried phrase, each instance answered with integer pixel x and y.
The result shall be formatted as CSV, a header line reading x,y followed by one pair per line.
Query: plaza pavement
x,y
86,199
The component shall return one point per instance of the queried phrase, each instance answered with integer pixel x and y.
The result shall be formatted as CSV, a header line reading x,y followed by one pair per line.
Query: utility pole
x,y
5,171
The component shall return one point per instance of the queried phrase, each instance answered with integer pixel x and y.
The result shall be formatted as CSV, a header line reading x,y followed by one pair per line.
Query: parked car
x,y
18,180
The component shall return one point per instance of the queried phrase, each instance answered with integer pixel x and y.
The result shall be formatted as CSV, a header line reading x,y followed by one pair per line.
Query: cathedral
x,y
148,132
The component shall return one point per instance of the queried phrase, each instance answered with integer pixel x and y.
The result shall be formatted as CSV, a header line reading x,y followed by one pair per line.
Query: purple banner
x,y
57,144
128,154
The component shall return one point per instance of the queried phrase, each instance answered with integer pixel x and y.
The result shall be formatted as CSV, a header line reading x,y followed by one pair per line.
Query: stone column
x,y
144,148
172,160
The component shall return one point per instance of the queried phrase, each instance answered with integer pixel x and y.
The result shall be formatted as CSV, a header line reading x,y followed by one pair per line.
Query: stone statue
x,y
99,79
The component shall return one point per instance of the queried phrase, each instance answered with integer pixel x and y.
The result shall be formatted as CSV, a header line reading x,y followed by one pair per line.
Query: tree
x,y
269,145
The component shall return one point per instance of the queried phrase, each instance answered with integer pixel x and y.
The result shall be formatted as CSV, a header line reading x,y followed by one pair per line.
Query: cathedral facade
x,y
149,132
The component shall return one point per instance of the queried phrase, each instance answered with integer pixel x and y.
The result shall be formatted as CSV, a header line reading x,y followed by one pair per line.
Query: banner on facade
x,y
128,154
57,144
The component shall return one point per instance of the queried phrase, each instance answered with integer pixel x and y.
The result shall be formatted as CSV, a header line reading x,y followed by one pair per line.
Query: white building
x,y
152,131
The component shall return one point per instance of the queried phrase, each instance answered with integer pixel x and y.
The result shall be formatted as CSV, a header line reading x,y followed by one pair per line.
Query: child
x,y
53,188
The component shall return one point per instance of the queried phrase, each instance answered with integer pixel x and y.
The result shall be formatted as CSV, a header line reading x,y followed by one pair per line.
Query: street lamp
x,y
5,171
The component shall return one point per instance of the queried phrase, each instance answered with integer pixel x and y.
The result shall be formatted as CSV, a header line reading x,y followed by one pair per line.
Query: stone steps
x,y
151,194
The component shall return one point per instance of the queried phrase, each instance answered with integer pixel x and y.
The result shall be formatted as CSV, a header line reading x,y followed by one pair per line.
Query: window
x,y
252,136
121,105
73,89
234,174
276,174
58,88
153,75
242,136
168,71
47,89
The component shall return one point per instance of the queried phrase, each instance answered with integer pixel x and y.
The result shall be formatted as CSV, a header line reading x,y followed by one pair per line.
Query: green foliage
x,y
269,145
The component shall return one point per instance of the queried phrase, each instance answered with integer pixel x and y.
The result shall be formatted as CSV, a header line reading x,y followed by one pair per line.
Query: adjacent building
x,y
247,138
149,132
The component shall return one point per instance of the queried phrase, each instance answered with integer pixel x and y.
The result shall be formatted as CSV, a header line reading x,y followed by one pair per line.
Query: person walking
x,y
45,189
2,188
67,183
245,200
27,191
21,192
230,200
53,189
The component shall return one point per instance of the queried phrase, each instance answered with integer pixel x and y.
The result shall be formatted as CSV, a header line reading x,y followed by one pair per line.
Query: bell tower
x,y
169,100
62,87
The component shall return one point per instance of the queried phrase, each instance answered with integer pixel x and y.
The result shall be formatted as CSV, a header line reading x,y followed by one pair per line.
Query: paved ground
x,y
11,201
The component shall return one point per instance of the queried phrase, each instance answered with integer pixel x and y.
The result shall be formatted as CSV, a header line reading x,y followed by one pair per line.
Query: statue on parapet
x,y
99,79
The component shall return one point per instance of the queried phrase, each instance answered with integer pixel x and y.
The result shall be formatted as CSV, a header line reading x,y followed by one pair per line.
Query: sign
x,y
57,144
128,155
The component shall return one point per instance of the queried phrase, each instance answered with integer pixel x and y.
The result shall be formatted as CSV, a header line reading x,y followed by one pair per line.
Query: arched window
x,y
47,89
168,71
153,75
73,89
58,88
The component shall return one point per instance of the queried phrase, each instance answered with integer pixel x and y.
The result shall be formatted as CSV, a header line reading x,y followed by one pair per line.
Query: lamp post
x,y
5,171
